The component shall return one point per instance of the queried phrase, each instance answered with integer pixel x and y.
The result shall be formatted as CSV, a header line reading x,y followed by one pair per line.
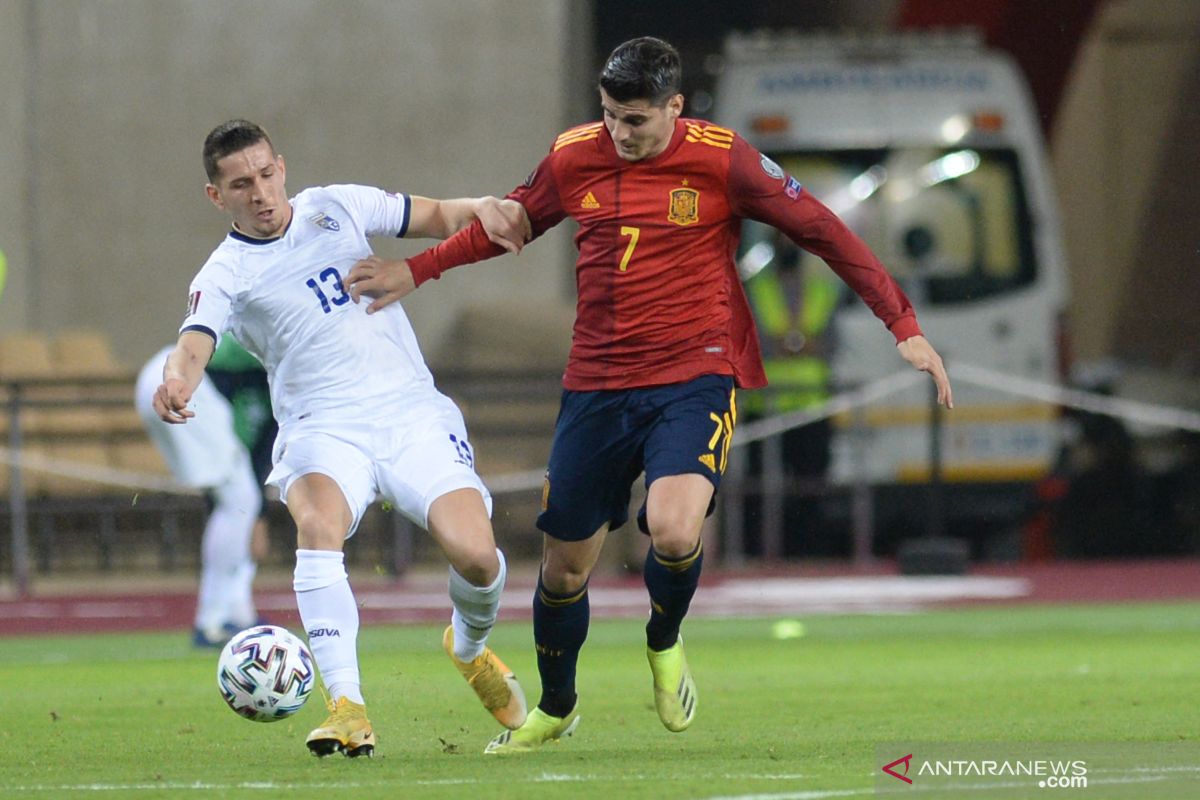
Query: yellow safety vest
x,y
795,380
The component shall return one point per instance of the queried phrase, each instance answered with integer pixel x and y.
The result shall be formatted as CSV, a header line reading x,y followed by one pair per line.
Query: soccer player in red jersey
x,y
663,336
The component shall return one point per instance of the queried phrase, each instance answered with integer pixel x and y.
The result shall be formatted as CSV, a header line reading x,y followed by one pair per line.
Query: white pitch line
x,y
759,596
545,777
814,794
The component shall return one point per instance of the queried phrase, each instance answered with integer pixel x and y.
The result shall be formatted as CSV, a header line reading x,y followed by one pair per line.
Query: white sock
x,y
330,617
227,570
475,609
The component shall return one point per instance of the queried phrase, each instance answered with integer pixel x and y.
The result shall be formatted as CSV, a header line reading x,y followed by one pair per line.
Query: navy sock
x,y
671,583
560,627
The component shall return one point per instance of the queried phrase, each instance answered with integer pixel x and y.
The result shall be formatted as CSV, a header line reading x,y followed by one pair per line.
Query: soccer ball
x,y
265,673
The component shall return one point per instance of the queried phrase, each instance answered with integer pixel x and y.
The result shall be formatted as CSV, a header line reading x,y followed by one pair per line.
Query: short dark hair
x,y
645,68
230,137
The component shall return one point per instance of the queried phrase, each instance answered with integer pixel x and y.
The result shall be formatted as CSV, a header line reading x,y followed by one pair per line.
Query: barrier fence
x,y
767,430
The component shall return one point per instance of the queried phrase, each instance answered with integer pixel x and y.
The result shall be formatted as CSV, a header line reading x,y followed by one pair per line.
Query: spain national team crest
x,y
685,206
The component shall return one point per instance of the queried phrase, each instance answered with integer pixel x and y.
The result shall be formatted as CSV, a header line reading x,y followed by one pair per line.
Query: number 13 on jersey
x,y
329,276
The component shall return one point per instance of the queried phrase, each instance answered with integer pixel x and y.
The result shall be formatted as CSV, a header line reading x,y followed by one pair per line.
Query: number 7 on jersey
x,y
633,234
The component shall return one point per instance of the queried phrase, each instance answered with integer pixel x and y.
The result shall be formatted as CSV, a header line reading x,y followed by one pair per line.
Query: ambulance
x,y
929,147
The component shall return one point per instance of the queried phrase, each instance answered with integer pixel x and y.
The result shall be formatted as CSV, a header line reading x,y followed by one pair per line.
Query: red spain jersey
x,y
659,299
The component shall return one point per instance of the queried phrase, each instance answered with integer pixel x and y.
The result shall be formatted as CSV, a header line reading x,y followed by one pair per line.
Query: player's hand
x,y
170,401
384,282
920,353
505,223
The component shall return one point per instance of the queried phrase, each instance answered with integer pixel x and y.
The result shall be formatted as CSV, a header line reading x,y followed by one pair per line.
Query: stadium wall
x,y
102,210
14,177
1124,153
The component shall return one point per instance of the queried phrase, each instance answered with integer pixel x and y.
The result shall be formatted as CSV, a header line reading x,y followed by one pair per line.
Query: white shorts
x,y
408,460
203,452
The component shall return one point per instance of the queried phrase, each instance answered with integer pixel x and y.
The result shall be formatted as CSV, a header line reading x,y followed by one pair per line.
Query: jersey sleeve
x,y
538,194
209,302
759,189
379,213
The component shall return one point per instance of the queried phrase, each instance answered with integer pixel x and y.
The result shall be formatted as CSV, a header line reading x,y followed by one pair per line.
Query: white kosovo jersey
x,y
284,301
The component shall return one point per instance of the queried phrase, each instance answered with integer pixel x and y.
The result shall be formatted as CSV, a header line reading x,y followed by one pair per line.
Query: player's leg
x,y
675,511
427,469
561,615
329,612
676,506
593,462
459,522
685,457
225,603
326,510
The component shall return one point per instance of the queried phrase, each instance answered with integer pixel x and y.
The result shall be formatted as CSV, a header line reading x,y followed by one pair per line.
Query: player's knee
x,y
317,531
479,564
564,578
674,533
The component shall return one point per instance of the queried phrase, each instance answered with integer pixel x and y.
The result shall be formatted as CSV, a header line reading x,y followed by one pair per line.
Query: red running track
x,y
795,590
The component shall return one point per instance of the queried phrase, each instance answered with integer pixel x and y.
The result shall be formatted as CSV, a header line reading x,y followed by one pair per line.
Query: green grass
x,y
138,715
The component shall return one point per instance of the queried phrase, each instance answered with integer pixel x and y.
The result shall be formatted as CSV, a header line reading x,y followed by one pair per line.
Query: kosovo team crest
x,y
685,206
323,220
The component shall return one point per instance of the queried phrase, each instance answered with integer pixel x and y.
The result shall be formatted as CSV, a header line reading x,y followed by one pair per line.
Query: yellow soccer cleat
x,y
494,683
674,690
347,730
538,729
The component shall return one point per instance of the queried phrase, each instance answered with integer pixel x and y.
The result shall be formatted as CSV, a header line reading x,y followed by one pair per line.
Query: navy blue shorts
x,y
604,439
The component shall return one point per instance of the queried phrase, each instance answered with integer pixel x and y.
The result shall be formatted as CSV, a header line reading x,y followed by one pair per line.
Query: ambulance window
x,y
952,225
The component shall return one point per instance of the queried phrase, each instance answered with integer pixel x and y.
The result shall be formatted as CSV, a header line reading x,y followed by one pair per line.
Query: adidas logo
x,y
709,461
590,201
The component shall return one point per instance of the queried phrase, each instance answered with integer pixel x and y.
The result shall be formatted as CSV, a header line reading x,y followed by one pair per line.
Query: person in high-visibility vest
x,y
793,298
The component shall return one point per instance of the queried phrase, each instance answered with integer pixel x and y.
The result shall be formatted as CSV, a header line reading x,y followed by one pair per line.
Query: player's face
x,y
251,188
639,128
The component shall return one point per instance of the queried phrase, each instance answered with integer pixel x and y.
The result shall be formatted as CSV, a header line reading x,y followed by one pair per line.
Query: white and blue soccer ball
x,y
265,673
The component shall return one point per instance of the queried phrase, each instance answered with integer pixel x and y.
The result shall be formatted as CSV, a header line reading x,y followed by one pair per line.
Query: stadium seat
x,y
138,456
25,355
85,454
84,353
123,422
62,423
31,480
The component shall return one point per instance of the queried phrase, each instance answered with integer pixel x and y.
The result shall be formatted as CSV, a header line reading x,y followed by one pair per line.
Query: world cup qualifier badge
x,y
771,168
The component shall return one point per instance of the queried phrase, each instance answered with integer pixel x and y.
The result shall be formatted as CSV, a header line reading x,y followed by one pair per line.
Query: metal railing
x,y
485,393
47,394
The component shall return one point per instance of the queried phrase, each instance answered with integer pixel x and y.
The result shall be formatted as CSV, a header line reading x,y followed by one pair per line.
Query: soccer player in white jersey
x,y
359,416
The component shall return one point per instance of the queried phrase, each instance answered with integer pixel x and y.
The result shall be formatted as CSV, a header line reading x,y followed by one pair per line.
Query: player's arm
x,y
496,224
182,373
388,281
504,221
759,193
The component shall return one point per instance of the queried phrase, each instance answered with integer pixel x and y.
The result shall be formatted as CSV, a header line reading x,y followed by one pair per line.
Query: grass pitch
x,y
138,715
